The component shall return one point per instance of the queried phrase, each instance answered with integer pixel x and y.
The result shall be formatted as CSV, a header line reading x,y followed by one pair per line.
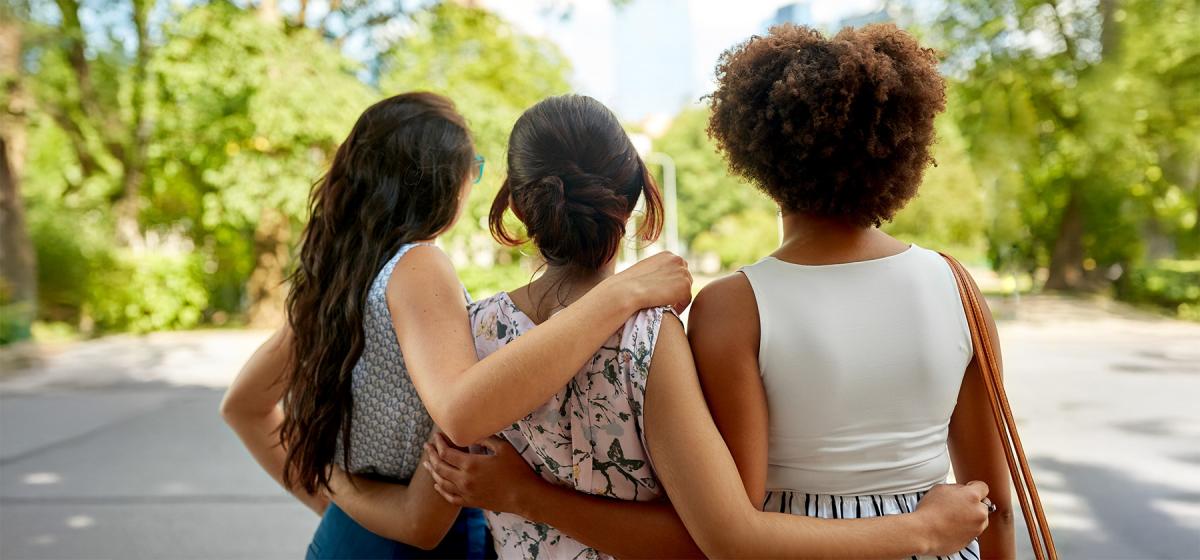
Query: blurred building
x,y
799,13
887,13
652,66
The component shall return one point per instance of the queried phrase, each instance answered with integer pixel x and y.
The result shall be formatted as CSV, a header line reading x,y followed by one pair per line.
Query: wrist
x,y
921,535
531,502
627,296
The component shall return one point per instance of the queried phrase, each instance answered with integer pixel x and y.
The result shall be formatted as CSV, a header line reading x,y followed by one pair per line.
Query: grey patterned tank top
x,y
389,423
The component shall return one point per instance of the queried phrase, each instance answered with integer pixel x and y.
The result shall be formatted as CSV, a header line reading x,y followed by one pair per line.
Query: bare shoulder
x,y
423,266
725,304
671,349
424,277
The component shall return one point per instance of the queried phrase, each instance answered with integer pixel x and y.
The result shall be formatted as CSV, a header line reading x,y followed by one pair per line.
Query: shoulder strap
x,y
1014,453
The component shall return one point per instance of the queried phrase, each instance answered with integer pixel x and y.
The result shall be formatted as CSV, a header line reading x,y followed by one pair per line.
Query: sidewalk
x,y
112,448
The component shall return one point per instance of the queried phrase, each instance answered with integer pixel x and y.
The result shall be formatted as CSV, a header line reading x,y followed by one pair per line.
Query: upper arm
x,y
976,449
723,330
259,386
687,450
429,315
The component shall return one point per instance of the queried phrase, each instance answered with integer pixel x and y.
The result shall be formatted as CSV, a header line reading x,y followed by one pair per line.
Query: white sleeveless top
x,y
862,364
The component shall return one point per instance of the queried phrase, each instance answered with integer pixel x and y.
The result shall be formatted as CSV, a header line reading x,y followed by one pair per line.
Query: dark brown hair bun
x,y
573,180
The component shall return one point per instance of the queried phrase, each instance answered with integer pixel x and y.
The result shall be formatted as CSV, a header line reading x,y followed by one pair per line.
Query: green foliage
x,y
148,292
258,135
718,212
13,323
1171,284
1086,106
482,282
949,213
492,72
244,115
1051,103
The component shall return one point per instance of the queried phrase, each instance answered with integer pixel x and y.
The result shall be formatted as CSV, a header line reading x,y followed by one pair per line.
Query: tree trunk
x,y
265,289
18,261
1066,259
133,156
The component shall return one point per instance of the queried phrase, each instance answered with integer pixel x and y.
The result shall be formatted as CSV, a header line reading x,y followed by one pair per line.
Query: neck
x,y
817,240
808,230
560,286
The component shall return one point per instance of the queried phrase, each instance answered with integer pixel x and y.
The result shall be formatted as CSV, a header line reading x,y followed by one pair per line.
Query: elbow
x,y
228,410
427,542
722,546
720,542
456,425
415,534
730,537
1002,517
459,435
235,412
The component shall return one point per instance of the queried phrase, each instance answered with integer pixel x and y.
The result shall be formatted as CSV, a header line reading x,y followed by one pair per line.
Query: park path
x,y
112,448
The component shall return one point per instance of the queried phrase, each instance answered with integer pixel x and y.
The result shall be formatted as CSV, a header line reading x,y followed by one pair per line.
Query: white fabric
x,y
862,364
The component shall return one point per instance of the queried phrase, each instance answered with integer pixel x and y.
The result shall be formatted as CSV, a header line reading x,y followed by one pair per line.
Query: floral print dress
x,y
587,437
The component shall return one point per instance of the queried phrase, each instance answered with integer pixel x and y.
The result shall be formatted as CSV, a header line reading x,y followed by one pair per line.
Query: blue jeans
x,y
340,537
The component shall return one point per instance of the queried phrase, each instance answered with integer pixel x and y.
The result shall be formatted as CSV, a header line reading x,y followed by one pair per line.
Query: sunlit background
x,y
157,156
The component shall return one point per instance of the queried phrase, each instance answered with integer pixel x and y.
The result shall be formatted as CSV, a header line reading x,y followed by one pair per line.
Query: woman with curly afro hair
x,y
839,368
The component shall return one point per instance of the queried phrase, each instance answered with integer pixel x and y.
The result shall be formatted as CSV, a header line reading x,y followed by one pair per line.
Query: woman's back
x,y
389,423
588,437
861,364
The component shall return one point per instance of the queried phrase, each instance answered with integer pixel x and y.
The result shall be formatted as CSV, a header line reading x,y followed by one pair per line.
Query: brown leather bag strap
x,y
1014,452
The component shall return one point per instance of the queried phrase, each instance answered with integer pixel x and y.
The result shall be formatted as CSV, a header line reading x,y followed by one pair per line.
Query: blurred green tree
x,y
18,262
493,73
1070,113
719,213
235,113
235,157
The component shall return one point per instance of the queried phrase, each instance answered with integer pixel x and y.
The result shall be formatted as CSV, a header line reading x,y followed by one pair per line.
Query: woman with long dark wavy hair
x,y
573,478
377,347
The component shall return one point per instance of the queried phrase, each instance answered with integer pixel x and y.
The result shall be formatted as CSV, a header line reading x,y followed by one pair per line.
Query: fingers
x,y
682,306
449,455
979,487
444,472
496,445
444,441
449,496
442,476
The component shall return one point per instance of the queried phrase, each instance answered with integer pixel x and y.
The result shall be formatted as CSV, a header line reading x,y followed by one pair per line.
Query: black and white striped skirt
x,y
826,506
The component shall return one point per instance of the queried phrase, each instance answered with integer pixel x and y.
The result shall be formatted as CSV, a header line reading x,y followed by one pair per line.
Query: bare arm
x,y
503,482
471,399
413,513
978,453
251,408
702,480
723,333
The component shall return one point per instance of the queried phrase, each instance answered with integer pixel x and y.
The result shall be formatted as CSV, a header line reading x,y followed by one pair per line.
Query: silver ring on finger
x,y
990,506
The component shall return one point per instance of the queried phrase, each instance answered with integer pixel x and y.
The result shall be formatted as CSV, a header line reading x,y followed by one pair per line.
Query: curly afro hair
x,y
835,127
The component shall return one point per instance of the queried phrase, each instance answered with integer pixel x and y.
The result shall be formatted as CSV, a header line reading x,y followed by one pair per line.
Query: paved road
x,y
113,449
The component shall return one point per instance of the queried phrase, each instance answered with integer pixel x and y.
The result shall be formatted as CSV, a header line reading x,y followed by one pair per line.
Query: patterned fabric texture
x,y
389,423
827,506
587,437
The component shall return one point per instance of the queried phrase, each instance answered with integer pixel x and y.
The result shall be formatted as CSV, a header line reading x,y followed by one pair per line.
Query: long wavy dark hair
x,y
397,178
574,178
